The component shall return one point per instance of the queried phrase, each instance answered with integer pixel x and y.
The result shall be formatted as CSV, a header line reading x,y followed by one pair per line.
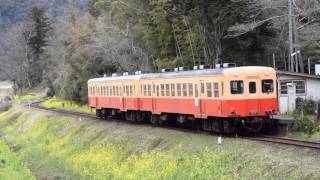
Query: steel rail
x,y
287,141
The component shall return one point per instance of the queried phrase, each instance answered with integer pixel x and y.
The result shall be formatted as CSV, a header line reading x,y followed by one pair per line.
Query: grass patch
x,y
70,148
11,166
66,105
28,97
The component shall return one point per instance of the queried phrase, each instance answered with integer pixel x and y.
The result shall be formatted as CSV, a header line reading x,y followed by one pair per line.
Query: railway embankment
x,y
57,146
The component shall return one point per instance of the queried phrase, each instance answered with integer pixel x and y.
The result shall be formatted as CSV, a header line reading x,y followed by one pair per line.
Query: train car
x,y
219,99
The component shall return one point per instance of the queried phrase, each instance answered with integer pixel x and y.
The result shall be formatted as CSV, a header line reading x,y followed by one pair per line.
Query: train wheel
x,y
98,113
140,116
155,119
130,116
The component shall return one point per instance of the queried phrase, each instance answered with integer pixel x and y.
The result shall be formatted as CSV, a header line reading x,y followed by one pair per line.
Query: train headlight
x,y
267,73
236,74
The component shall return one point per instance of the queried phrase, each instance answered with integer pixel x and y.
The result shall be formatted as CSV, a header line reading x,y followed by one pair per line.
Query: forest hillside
x,y
61,44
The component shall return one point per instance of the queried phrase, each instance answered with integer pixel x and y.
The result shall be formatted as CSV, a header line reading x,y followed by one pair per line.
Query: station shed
x,y
292,85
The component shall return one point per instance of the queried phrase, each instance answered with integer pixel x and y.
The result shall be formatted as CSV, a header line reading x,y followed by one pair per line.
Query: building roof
x,y
298,74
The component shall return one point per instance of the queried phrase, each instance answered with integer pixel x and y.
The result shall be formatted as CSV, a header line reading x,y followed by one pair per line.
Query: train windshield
x,y
267,86
236,87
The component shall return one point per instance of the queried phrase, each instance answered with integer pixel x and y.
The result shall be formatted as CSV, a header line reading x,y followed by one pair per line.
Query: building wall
x,y
312,91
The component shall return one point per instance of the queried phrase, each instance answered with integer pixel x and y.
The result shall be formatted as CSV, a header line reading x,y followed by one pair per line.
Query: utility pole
x,y
291,58
309,66
274,60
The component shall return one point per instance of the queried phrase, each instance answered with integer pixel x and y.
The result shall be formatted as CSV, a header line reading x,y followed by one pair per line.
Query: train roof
x,y
204,72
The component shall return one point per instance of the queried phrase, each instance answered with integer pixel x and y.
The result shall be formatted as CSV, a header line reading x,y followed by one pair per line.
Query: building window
x,y
209,89
252,87
179,89
300,86
173,90
267,86
216,89
236,87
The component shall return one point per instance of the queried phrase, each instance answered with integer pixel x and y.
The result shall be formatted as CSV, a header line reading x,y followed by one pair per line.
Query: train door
x,y
154,94
197,99
253,106
202,99
123,97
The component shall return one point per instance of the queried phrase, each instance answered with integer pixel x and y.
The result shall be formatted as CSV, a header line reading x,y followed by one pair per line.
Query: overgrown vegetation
x,y
68,148
66,105
11,166
306,124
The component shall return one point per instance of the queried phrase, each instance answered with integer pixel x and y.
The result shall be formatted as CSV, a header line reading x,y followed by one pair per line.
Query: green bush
x,y
308,106
305,124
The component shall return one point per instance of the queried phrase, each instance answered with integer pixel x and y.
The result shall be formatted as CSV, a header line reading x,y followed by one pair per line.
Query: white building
x,y
293,85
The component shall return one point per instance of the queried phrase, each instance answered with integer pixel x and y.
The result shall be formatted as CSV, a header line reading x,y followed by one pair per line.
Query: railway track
x,y
261,138
287,141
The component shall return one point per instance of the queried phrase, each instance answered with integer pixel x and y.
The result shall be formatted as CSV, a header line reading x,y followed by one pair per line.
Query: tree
x,y
36,36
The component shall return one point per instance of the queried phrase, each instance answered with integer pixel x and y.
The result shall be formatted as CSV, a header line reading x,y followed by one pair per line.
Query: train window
x,y
185,90
252,87
222,88
267,86
149,90
209,89
173,90
144,90
120,91
179,89
202,88
131,91
236,87
162,89
111,91
158,90
216,89
196,90
167,89
190,89
127,90
154,89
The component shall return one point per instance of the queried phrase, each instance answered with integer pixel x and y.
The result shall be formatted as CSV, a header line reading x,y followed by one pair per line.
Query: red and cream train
x,y
219,99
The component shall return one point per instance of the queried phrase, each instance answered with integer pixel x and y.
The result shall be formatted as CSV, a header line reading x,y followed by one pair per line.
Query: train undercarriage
x,y
229,125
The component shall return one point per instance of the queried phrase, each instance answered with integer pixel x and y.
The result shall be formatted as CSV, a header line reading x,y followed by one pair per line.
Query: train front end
x,y
250,96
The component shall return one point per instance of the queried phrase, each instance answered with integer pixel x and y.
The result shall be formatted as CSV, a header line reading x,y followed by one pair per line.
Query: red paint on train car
x,y
201,108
